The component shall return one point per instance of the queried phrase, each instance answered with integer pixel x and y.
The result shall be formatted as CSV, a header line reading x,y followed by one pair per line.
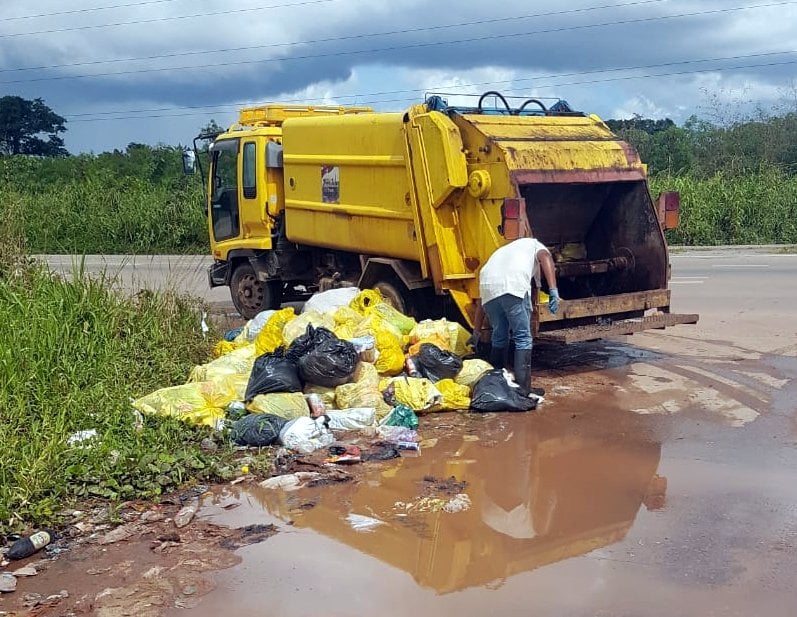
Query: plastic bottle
x,y
25,547
412,368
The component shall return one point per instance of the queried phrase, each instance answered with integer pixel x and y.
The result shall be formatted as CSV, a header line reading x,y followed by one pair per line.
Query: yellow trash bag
x,y
296,327
374,324
270,337
347,315
327,394
414,392
365,300
455,396
471,371
286,405
239,361
441,342
401,321
196,403
391,358
235,383
457,335
222,348
346,322
364,392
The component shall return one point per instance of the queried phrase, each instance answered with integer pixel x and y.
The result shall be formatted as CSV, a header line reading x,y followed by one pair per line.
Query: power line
x,y
89,10
336,39
468,85
401,47
160,19
551,85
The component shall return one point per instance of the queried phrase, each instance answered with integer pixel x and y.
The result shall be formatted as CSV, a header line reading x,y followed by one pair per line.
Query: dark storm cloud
x,y
548,46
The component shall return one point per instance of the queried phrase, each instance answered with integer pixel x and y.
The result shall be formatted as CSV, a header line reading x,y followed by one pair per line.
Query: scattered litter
x,y
251,534
458,503
123,532
8,583
290,482
26,571
81,436
186,513
25,547
363,523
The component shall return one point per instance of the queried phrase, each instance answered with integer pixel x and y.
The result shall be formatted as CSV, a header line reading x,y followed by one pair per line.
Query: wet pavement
x,y
656,480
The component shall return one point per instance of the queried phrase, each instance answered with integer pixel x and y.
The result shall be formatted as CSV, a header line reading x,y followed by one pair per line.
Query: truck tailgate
x,y
620,326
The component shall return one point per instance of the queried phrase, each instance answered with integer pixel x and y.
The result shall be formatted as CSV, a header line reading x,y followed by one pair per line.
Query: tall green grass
x,y
124,216
725,208
74,351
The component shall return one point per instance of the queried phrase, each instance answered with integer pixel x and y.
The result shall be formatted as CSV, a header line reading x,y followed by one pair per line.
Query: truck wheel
x,y
395,294
249,295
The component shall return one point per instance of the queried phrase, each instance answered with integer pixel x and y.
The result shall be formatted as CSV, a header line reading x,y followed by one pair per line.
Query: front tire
x,y
250,295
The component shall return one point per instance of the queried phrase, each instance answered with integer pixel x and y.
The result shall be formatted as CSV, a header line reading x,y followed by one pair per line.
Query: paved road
x,y
656,480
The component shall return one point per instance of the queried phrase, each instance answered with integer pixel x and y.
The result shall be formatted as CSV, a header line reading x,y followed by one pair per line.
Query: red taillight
x,y
511,209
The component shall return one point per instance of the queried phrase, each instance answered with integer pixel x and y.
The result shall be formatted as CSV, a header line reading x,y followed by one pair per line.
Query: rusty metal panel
x,y
624,326
606,305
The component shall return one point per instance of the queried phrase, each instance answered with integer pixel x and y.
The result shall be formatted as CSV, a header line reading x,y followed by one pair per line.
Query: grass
x,y
126,216
73,353
748,208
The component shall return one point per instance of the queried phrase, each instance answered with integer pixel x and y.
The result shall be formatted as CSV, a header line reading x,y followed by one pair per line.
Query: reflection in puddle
x,y
529,491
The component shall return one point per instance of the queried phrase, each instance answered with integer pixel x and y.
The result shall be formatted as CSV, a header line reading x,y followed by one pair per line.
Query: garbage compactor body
x,y
414,203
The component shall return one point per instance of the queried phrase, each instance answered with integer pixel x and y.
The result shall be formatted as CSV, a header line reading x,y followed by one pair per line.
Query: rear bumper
x,y
587,319
622,326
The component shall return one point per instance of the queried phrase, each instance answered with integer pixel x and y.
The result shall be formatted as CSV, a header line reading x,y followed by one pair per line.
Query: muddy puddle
x,y
631,491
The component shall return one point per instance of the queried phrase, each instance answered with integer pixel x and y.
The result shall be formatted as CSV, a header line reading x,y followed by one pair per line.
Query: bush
x,y
747,208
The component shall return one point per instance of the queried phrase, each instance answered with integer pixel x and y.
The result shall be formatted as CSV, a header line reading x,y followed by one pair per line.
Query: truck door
x,y
224,214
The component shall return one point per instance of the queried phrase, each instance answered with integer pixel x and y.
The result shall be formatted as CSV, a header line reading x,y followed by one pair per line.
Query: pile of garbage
x,y
349,361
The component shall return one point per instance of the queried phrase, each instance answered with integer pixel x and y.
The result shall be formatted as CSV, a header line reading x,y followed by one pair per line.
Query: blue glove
x,y
553,300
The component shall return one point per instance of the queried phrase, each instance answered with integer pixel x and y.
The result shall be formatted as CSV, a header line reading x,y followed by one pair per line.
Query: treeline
x,y
135,200
738,186
738,183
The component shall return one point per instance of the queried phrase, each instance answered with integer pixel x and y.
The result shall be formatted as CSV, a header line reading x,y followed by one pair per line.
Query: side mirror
x,y
189,162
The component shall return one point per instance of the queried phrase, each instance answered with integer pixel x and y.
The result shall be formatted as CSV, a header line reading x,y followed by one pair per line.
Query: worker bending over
x,y
505,289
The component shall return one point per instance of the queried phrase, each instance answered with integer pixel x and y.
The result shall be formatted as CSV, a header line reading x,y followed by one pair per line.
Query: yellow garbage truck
x,y
303,198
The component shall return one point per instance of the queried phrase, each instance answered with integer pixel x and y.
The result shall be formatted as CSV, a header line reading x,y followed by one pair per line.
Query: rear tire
x,y
250,295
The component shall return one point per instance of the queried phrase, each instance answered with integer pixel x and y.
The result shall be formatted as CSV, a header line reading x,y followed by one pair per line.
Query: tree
x,y
24,122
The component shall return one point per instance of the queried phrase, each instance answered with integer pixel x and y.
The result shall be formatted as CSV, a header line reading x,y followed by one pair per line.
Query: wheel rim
x,y
250,292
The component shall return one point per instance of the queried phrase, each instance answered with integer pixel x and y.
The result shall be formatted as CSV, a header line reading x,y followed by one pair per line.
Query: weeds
x,y
73,353
749,208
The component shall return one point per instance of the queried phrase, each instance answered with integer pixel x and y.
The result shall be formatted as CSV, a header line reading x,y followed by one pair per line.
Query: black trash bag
x,y
329,364
493,393
304,344
273,372
436,364
257,430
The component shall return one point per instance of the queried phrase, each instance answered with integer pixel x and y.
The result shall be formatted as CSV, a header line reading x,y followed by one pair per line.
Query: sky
x,y
156,71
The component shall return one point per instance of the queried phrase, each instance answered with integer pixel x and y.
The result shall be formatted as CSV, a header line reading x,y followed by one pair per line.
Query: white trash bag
x,y
306,434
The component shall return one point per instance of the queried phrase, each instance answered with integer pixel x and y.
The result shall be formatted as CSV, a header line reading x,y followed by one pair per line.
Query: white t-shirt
x,y
510,269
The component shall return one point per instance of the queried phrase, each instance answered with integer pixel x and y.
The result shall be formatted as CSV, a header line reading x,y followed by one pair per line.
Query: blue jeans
x,y
510,313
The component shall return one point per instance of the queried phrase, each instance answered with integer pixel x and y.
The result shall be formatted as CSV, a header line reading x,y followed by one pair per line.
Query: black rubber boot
x,y
498,357
523,371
